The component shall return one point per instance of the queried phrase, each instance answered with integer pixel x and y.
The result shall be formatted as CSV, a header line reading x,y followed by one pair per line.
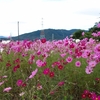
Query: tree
x,y
78,34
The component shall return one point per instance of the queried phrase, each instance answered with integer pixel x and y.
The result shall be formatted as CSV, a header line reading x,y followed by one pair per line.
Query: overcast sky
x,y
56,14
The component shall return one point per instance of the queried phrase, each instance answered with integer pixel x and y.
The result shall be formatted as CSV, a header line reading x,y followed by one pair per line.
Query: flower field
x,y
50,70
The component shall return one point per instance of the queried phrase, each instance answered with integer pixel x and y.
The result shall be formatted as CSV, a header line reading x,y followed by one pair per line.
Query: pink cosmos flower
x,y
78,63
70,52
1,82
88,70
69,59
92,64
19,82
97,49
39,87
40,63
5,76
98,33
83,33
22,93
7,89
86,53
63,55
16,48
98,25
95,34
33,73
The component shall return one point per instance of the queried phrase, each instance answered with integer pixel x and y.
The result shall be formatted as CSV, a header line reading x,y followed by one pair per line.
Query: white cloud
x,y
60,14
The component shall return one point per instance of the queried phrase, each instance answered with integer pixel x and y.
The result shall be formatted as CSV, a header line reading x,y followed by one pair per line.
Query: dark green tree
x,y
78,34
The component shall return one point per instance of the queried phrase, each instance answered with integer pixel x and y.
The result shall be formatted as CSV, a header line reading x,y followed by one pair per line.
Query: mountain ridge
x,y
3,37
58,34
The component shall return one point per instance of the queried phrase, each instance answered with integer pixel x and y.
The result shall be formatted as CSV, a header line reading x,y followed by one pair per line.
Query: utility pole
x,y
52,37
10,37
18,30
42,34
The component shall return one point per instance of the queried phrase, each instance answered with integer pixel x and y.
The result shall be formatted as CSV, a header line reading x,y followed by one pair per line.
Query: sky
x,y
56,14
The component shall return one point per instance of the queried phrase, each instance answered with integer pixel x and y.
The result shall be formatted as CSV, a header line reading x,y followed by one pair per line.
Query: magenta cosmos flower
x,y
19,82
77,63
95,96
43,40
46,71
61,83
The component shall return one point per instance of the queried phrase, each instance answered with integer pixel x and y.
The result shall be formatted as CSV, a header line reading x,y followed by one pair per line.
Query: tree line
x,y
93,32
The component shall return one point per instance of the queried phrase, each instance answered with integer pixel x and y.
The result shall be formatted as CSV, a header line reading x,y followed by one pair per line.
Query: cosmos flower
x,y
88,70
22,93
83,33
60,67
61,83
78,63
19,82
69,59
97,49
92,64
7,89
46,71
33,73
43,40
1,83
51,74
98,25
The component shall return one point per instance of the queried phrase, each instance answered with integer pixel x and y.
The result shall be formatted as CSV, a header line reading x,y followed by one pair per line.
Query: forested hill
x,y
58,34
